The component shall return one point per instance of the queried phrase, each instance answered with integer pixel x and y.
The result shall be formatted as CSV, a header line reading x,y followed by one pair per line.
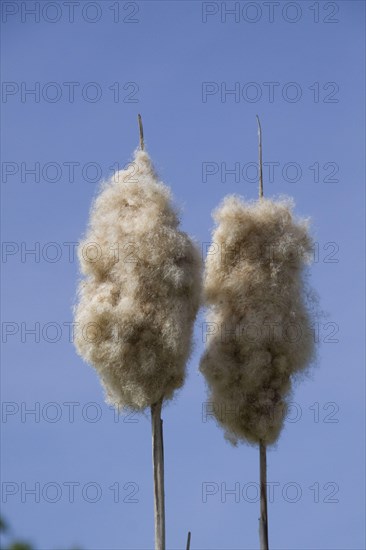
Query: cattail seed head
x,y
260,333
141,289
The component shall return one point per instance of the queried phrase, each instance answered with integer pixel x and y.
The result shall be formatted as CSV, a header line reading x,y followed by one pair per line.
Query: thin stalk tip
x,y
141,131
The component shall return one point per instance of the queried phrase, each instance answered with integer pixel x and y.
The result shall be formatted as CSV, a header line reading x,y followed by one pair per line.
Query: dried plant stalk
x,y
138,300
260,319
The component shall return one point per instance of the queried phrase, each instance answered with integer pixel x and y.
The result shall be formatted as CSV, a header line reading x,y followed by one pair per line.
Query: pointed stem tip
x,y
260,157
141,130
188,541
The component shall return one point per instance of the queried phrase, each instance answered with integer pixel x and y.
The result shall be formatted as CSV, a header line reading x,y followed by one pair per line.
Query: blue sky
x,y
176,62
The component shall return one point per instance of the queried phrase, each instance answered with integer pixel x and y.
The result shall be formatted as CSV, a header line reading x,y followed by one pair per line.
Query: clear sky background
x,y
158,55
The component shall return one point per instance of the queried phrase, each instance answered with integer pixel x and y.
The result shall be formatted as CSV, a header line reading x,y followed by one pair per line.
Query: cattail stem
x,y
263,522
188,541
158,467
260,157
141,131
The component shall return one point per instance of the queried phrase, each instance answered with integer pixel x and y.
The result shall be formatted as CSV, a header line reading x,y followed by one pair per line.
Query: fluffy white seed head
x,y
259,331
139,298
